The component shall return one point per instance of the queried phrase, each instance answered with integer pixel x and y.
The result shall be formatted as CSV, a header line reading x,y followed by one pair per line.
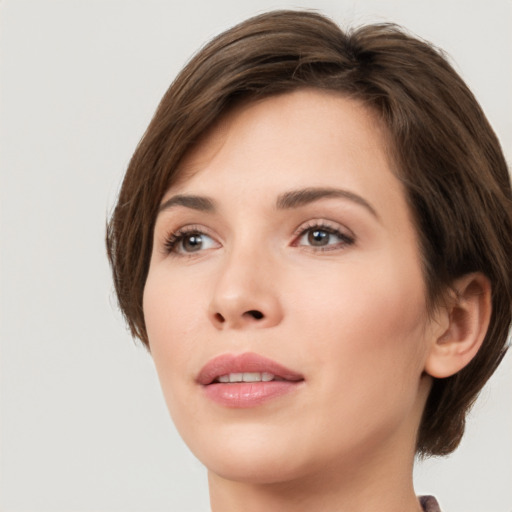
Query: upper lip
x,y
241,363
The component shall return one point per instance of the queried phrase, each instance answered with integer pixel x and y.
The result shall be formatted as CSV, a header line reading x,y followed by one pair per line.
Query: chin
x,y
259,469
252,457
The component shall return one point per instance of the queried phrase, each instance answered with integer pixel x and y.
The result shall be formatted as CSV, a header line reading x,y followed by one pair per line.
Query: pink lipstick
x,y
246,380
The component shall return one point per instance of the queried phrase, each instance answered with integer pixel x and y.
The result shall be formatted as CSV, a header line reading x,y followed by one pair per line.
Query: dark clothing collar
x,y
429,504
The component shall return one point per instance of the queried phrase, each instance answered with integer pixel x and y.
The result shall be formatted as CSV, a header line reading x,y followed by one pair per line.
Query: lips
x,y
246,380
244,363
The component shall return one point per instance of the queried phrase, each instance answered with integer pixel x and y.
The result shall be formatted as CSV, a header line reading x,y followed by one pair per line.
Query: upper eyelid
x,y
185,229
323,223
191,228
312,223
174,221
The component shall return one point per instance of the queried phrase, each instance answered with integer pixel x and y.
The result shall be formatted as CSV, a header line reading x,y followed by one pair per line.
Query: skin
x,y
350,317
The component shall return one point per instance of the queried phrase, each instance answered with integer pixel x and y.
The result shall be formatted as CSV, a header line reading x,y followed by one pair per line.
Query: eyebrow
x,y
285,201
297,198
201,203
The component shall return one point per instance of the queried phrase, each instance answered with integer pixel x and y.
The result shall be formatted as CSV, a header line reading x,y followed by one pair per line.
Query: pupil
x,y
318,237
192,242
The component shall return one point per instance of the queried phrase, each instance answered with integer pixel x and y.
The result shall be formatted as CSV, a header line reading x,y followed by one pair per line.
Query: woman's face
x,y
286,255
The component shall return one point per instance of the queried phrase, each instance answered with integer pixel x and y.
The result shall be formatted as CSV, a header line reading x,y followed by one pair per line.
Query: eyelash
x,y
173,239
346,239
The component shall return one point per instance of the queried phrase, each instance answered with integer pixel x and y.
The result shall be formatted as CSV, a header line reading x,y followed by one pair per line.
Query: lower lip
x,y
248,394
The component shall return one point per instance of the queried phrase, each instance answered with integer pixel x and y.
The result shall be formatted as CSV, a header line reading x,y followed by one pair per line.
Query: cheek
x,y
363,338
172,323
366,325
171,304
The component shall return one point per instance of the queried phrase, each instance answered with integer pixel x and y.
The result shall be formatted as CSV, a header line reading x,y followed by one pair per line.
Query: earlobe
x,y
466,317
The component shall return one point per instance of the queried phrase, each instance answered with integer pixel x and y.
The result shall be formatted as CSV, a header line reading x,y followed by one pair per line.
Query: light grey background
x,y
83,425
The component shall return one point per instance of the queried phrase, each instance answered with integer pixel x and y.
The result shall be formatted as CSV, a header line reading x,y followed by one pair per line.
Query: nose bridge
x,y
245,294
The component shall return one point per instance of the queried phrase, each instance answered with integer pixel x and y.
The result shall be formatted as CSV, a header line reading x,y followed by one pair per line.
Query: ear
x,y
464,322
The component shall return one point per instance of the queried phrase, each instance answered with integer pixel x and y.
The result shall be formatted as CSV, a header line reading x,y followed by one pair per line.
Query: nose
x,y
246,294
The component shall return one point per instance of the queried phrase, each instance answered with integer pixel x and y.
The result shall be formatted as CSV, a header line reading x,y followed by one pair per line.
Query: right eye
x,y
189,241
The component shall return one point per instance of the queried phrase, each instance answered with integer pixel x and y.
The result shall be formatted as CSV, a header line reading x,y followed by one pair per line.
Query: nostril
x,y
219,318
258,315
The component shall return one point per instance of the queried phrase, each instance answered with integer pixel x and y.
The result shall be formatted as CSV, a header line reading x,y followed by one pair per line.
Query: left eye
x,y
323,237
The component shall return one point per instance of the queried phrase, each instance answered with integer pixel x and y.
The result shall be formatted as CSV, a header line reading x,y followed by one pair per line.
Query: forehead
x,y
307,135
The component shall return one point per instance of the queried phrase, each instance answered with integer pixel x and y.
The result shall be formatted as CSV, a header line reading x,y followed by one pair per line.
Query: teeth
x,y
247,377
251,377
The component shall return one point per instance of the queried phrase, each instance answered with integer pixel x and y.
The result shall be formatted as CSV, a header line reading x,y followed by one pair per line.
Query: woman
x,y
312,239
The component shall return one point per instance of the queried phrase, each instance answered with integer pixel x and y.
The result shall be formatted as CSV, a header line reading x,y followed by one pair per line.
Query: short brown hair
x,y
445,151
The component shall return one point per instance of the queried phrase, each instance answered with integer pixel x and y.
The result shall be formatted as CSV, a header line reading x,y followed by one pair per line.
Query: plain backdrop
x,y
83,425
